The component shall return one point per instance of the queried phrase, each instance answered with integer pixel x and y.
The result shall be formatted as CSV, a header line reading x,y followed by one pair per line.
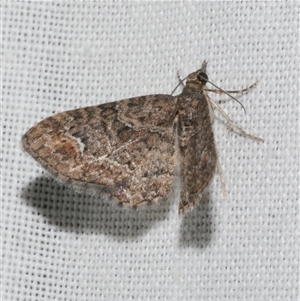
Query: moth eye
x,y
202,77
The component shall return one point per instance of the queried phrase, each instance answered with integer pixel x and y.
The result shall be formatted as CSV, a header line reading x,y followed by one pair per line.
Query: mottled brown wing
x,y
197,148
125,148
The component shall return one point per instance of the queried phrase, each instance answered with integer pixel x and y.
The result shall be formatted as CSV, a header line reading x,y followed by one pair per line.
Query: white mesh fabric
x,y
61,245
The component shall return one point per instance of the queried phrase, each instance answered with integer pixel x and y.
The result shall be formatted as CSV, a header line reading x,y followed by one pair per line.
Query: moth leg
x,y
220,172
231,124
180,82
219,168
211,112
245,90
179,79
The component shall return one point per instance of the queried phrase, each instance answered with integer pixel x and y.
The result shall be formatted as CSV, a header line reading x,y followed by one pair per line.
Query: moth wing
x,y
125,148
197,152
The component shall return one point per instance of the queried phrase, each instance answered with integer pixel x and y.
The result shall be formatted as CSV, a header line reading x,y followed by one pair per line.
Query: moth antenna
x,y
180,82
226,94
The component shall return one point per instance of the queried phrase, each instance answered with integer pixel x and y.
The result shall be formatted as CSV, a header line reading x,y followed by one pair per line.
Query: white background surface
x,y
61,245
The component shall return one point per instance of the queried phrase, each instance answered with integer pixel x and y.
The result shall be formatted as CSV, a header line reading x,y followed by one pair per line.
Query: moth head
x,y
198,78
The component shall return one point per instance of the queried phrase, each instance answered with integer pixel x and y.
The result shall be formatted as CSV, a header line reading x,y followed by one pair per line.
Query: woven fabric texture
x,y
61,245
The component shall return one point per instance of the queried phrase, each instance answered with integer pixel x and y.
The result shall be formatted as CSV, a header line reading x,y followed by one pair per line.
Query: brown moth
x,y
128,148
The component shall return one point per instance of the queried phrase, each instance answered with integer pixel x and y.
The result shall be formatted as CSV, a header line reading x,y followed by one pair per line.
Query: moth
x,y
129,148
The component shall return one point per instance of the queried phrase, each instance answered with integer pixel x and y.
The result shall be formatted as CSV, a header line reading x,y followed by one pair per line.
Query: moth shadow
x,y
88,213
196,226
